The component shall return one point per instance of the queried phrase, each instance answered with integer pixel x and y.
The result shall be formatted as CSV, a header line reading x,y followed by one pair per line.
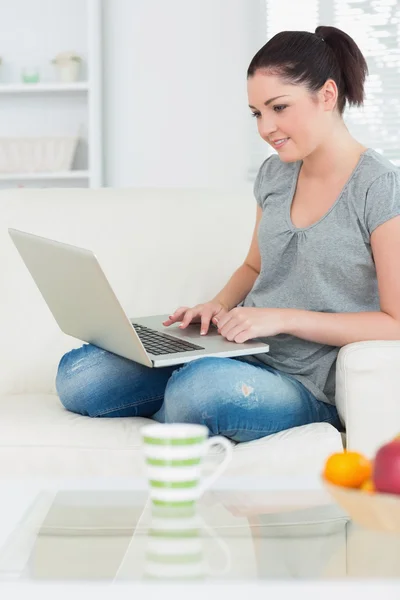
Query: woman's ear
x,y
329,95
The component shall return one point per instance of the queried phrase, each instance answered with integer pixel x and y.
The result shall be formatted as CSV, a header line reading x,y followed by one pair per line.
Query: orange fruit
x,y
368,486
349,469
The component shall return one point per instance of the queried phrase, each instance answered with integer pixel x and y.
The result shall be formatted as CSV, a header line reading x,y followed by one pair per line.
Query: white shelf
x,y
37,88
50,175
34,100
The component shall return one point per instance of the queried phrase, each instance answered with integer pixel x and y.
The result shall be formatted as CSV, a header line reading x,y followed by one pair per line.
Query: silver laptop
x,y
84,305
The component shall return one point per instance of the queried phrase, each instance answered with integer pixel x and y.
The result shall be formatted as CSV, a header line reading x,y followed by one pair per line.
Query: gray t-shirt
x,y
326,267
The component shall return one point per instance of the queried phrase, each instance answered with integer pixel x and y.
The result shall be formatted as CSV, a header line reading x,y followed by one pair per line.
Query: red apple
x,y
386,468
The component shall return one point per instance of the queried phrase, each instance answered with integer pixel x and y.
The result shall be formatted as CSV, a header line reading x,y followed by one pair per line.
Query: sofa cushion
x,y
38,437
296,451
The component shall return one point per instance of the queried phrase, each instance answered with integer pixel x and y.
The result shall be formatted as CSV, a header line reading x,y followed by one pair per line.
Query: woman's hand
x,y
202,313
241,324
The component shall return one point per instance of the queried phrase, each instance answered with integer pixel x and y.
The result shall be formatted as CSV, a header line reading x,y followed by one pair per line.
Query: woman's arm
x,y
339,329
242,280
238,286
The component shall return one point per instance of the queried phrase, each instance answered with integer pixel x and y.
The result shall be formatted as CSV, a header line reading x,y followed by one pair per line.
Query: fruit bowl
x,y
372,510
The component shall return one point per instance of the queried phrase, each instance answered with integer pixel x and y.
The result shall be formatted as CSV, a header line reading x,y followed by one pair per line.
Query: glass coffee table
x,y
243,530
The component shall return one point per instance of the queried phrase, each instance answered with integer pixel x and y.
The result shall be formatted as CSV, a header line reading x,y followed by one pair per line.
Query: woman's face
x,y
289,117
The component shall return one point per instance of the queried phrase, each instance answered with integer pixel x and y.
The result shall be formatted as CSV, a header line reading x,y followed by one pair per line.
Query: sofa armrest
x,y
368,393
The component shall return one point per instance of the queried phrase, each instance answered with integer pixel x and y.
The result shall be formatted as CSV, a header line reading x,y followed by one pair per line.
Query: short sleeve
x,y
383,200
259,182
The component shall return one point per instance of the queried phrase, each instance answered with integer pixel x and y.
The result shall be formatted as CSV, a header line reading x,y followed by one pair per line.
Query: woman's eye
x,y
279,107
256,115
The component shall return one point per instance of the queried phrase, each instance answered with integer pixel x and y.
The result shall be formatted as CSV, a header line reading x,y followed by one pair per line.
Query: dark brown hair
x,y
312,58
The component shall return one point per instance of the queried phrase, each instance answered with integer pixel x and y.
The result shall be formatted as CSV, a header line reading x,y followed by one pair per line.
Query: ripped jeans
x,y
242,399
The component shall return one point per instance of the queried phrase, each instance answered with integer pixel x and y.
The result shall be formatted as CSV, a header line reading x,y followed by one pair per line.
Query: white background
x,y
174,75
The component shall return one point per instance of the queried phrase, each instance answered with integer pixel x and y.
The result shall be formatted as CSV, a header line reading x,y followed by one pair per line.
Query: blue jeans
x,y
242,399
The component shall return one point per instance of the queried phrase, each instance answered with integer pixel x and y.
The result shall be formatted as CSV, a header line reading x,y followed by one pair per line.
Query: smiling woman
x,y
322,270
303,67
327,250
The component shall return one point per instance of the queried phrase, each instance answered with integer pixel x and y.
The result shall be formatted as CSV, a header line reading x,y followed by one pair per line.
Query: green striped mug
x,y
181,546
174,454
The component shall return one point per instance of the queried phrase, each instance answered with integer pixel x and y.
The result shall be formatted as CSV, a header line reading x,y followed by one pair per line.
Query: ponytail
x,y
301,57
352,64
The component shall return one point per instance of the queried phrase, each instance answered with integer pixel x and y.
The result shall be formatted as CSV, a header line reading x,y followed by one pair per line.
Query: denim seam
x,y
145,401
237,430
267,432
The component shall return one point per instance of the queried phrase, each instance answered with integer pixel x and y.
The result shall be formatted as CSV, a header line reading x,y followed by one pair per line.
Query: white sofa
x,y
160,248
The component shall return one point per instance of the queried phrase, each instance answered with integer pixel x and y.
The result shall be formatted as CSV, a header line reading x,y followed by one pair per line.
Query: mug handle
x,y
215,441
224,549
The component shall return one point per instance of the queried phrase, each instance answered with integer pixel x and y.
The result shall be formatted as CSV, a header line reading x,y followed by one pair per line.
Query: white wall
x,y
175,99
175,104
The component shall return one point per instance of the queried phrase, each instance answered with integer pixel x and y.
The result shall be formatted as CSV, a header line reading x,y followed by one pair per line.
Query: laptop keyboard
x,y
158,343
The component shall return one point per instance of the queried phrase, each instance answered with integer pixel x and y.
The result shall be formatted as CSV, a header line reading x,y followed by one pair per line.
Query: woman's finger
x,y
223,319
218,316
234,332
176,316
205,322
189,315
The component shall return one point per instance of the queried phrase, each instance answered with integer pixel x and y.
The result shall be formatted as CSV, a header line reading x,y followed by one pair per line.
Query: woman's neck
x,y
335,157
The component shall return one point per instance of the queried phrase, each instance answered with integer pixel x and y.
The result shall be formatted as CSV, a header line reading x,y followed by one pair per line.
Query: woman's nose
x,y
266,128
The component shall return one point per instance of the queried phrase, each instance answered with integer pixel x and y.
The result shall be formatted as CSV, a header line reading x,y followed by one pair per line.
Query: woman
x,y
322,271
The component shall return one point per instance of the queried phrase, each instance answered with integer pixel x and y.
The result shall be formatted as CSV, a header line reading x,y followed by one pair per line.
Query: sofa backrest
x,y
160,248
